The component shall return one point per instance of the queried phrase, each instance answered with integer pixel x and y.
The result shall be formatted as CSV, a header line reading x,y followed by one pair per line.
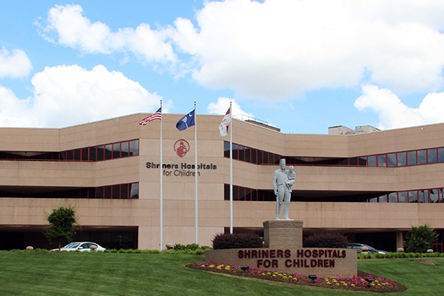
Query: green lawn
x,y
41,273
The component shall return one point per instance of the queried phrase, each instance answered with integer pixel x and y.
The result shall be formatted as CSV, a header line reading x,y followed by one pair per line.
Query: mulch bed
x,y
338,283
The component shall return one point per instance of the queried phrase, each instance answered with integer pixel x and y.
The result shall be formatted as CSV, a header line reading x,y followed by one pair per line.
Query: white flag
x,y
223,127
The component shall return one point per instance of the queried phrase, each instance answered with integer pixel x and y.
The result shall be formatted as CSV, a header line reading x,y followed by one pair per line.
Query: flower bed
x,y
357,283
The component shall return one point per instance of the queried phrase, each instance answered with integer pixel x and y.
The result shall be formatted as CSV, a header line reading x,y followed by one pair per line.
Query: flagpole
x,y
196,173
231,170
161,181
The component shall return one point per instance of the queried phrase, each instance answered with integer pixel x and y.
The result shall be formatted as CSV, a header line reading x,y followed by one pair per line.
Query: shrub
x,y
380,256
179,247
237,241
326,240
200,252
192,247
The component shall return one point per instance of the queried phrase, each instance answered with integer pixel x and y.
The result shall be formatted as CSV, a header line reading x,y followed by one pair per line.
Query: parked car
x,y
358,247
80,246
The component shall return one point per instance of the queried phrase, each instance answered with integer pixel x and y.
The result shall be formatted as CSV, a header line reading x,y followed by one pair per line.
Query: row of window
x,y
119,191
248,194
251,155
94,153
399,159
412,196
396,159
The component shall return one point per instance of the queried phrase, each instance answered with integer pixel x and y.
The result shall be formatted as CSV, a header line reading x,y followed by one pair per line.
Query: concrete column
x,y
399,240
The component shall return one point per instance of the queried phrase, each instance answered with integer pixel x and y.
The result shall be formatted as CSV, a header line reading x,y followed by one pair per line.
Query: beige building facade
x,y
372,186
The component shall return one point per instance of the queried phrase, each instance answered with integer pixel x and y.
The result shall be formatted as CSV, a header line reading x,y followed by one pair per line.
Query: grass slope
x,y
40,273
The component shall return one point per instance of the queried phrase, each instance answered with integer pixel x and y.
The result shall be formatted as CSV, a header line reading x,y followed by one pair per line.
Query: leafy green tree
x,y
62,224
419,239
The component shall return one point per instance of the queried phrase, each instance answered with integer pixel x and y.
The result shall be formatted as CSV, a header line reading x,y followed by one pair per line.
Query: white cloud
x,y
280,49
70,95
395,114
14,64
13,111
72,29
222,105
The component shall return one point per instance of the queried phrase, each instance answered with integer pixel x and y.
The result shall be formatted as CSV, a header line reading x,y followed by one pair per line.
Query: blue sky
x,y
302,66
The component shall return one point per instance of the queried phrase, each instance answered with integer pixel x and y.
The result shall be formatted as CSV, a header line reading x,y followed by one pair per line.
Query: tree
x,y
419,239
63,221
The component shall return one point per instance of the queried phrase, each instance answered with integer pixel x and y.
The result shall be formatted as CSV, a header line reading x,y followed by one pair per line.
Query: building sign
x,y
301,258
181,169
181,147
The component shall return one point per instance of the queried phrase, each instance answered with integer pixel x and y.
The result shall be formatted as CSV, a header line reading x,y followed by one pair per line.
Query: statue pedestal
x,y
283,234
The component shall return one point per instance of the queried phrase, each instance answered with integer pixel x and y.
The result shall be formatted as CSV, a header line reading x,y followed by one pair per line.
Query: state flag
x,y
186,121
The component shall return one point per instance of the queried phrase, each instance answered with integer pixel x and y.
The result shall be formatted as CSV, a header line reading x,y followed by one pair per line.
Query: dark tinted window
x,y
85,154
354,161
227,149
434,196
247,152
241,153
116,150
100,153
241,193
260,159
371,160
432,156
99,192
77,155
411,158
108,151
422,156
134,191
235,154
124,191
393,197
413,196
402,196
124,149
382,160
402,159
107,192
116,191
253,156
423,196
441,154
363,161
391,159
134,147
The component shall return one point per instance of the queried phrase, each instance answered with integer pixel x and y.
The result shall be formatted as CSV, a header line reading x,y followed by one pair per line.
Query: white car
x,y
358,246
81,246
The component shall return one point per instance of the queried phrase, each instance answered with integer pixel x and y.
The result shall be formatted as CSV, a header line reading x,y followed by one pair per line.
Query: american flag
x,y
155,116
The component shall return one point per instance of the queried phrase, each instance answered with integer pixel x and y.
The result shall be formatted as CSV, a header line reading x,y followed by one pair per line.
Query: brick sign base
x,y
319,261
283,252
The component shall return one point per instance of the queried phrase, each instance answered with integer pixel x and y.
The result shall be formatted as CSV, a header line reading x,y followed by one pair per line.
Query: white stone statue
x,y
282,181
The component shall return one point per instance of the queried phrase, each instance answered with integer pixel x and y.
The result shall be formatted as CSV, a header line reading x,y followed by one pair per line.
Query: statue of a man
x,y
282,182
